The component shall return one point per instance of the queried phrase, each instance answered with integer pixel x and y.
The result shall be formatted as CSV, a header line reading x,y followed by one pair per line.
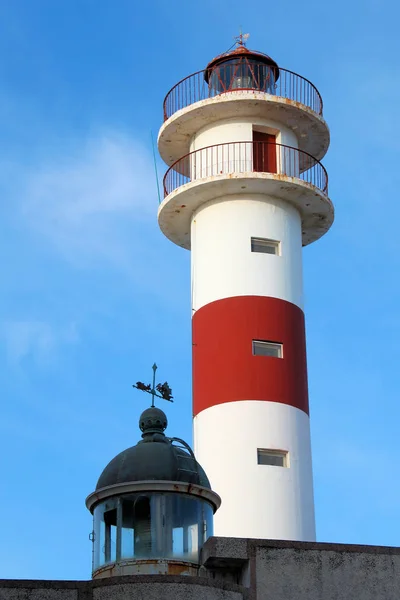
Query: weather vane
x,y
242,38
161,390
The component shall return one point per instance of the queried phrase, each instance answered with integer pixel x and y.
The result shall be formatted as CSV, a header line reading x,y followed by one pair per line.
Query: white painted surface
x,y
226,130
258,501
241,130
227,147
223,264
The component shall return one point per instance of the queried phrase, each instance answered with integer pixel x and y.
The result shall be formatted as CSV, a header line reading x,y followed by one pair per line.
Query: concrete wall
x,y
42,590
245,569
275,570
139,587
330,574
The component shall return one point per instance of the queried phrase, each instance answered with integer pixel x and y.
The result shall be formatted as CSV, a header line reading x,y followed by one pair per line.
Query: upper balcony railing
x,y
246,157
230,78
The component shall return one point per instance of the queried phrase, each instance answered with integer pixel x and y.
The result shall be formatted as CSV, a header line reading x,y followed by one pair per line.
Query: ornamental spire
x,y
242,38
161,390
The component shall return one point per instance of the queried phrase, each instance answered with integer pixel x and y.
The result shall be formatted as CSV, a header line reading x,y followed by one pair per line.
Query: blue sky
x,y
92,294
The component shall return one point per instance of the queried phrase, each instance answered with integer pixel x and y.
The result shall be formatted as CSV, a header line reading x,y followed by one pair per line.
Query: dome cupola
x,y
152,507
155,458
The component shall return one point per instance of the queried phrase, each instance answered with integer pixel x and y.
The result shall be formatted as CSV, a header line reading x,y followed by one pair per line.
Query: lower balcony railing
x,y
246,157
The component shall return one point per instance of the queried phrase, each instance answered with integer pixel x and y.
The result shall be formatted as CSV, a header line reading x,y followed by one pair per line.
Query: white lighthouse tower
x,y
244,192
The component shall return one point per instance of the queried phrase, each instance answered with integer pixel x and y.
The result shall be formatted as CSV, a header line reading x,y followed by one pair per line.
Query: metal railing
x,y
257,77
246,157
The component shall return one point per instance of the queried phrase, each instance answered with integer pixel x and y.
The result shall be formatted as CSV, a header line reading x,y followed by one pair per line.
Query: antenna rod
x,y
154,384
155,167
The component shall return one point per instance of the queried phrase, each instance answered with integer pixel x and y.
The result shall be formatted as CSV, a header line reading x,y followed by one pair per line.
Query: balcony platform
x,y
176,211
310,128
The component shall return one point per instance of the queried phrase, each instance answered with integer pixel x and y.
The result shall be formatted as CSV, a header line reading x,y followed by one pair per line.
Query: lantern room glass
x,y
245,74
151,525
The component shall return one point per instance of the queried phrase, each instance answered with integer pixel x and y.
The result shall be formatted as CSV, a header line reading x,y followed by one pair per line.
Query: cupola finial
x,y
242,38
163,389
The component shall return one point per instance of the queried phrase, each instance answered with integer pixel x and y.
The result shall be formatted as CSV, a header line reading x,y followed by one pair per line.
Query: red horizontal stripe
x,y
224,368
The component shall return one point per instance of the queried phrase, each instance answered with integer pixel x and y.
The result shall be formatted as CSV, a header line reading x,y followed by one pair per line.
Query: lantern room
x,y
241,69
152,508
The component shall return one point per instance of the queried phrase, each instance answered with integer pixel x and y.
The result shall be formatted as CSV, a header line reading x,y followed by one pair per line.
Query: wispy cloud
x,y
92,199
38,340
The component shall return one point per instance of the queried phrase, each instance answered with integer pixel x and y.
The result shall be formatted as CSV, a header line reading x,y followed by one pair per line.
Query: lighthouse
x,y
244,192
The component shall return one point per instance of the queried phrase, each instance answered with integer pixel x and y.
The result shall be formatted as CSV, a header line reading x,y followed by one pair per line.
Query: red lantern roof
x,y
241,53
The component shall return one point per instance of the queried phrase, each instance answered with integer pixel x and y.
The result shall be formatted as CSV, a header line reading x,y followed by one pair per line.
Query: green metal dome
x,y
154,458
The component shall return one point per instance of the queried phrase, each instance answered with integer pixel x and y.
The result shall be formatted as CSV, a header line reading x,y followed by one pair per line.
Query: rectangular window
x,y
265,246
261,348
274,458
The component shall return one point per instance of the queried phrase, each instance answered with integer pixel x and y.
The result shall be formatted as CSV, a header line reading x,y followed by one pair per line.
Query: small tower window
x,y
273,458
263,348
266,246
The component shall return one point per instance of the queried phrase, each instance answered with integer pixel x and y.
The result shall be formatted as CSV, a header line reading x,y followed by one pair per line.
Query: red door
x,y
264,152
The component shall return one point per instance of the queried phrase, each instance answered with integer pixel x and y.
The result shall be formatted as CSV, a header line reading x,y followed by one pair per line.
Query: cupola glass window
x,y
153,525
242,74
